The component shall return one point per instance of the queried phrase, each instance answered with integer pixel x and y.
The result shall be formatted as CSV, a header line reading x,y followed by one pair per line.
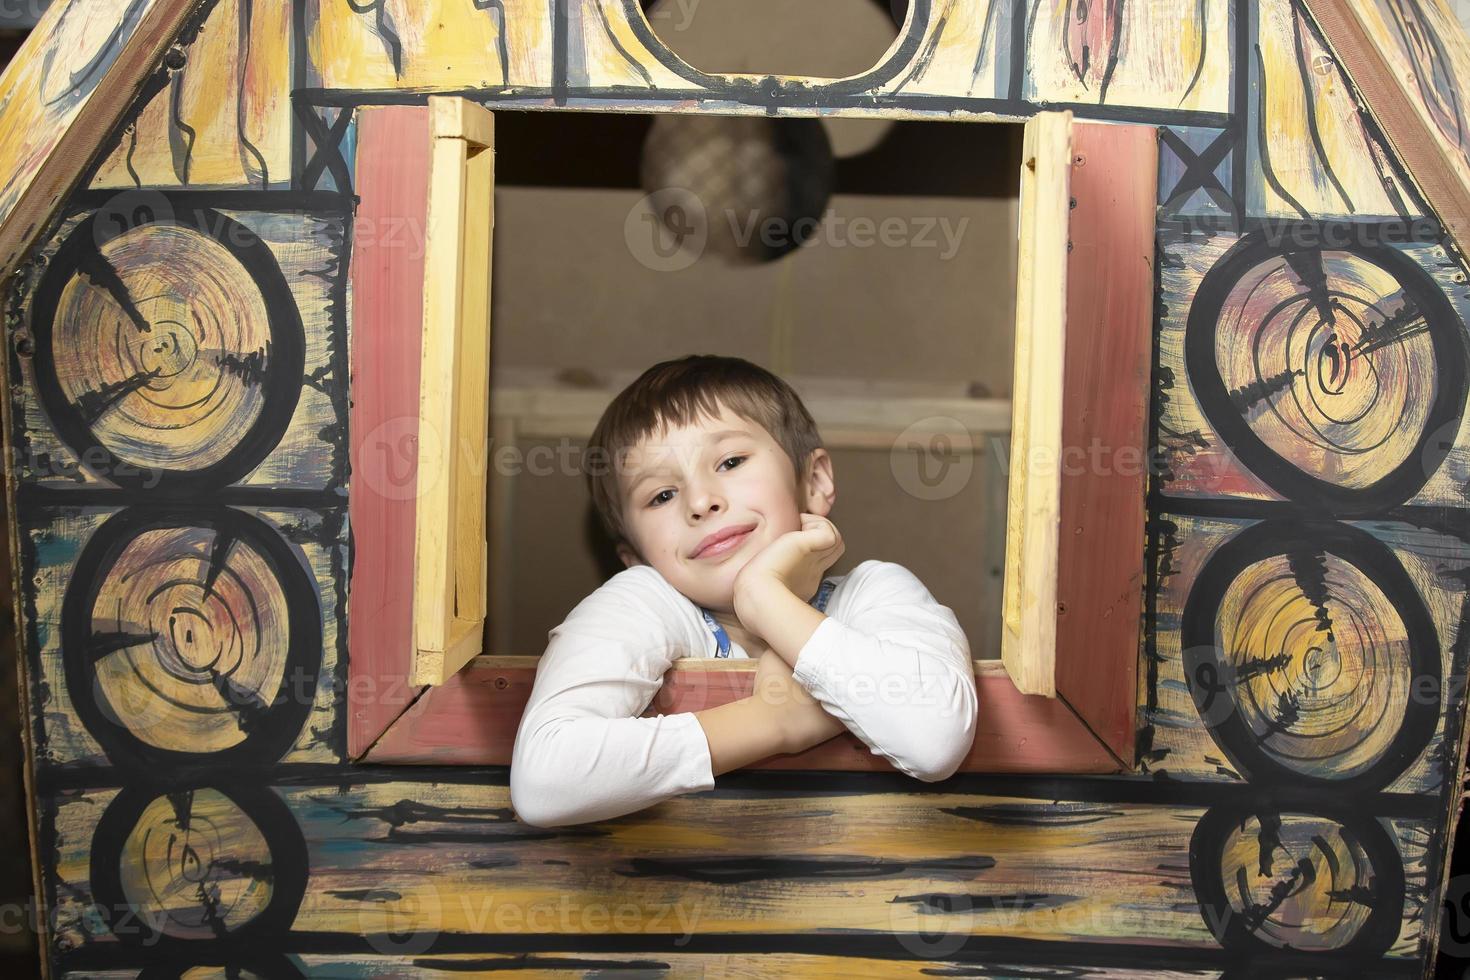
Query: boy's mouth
x,y
722,541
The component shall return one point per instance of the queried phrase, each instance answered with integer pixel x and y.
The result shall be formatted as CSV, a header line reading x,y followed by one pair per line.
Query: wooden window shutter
x,y
450,552
1078,475
1033,503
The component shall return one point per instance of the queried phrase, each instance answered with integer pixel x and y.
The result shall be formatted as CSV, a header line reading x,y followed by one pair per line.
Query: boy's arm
x,y
582,753
897,672
741,732
779,717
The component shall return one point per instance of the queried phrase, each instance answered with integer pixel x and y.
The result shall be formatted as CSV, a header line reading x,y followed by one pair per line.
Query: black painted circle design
x,y
190,638
1323,880
1332,374
169,350
1311,657
216,864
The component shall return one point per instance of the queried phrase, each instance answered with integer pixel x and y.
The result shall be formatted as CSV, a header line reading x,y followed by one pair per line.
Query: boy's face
x,y
680,486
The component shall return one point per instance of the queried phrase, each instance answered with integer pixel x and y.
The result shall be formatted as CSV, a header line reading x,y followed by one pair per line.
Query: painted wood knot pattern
x,y
168,352
1337,376
190,636
218,863
1303,645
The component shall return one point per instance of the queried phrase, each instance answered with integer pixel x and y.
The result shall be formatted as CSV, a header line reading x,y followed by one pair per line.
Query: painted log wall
x,y
1302,650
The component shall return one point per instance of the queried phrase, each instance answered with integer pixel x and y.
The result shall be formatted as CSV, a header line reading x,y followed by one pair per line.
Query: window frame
x,y
1083,724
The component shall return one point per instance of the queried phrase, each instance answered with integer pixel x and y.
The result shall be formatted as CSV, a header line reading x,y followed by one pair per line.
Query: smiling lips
x,y
723,541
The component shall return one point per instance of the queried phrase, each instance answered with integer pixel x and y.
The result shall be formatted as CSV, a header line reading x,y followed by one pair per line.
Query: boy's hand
x,y
796,560
801,719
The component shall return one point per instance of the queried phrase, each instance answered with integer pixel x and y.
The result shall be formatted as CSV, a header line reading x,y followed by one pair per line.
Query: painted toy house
x,y
277,615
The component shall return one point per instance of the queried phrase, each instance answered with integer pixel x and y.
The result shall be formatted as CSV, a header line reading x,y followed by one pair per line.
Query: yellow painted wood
x,y
53,118
1310,127
932,959
451,858
1168,56
450,548
1033,509
234,95
1435,152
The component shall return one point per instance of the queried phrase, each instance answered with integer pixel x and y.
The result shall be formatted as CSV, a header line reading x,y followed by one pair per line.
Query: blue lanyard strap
x,y
722,639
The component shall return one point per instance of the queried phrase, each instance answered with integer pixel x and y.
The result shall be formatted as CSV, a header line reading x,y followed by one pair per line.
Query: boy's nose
x,y
705,505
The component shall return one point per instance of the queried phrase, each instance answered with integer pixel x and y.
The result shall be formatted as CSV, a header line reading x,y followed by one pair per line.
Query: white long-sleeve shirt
x,y
889,662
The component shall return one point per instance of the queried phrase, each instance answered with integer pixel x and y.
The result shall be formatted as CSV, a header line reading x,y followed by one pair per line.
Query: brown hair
x,y
672,394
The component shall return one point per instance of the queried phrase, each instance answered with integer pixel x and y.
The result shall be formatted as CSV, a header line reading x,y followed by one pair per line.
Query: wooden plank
x,y
441,858
48,138
1028,621
450,550
461,119
555,962
392,182
18,687
1423,151
500,514
472,719
1104,426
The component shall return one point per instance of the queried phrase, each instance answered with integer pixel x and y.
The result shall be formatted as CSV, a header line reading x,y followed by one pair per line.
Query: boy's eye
x,y
657,498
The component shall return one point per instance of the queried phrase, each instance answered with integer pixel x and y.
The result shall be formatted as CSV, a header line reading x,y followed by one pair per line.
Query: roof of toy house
x,y
53,129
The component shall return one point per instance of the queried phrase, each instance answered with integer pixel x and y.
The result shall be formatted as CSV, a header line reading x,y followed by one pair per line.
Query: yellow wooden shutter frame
x,y
454,396
1033,504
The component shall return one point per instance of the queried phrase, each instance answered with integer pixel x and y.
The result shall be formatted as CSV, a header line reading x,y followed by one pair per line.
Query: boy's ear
x,y
628,555
819,486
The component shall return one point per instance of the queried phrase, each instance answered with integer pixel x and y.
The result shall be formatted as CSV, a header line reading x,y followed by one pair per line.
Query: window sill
x,y
471,720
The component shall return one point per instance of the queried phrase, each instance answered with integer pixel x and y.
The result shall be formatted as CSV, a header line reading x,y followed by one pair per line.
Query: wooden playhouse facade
x,y
1227,730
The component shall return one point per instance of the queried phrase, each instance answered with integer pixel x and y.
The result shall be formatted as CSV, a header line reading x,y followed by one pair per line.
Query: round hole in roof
x,y
821,39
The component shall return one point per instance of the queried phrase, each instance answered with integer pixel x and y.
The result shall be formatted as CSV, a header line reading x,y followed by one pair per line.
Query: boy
x,y
717,496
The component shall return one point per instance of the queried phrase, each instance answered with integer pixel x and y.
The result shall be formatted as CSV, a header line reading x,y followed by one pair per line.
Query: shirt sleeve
x,y
581,751
893,665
